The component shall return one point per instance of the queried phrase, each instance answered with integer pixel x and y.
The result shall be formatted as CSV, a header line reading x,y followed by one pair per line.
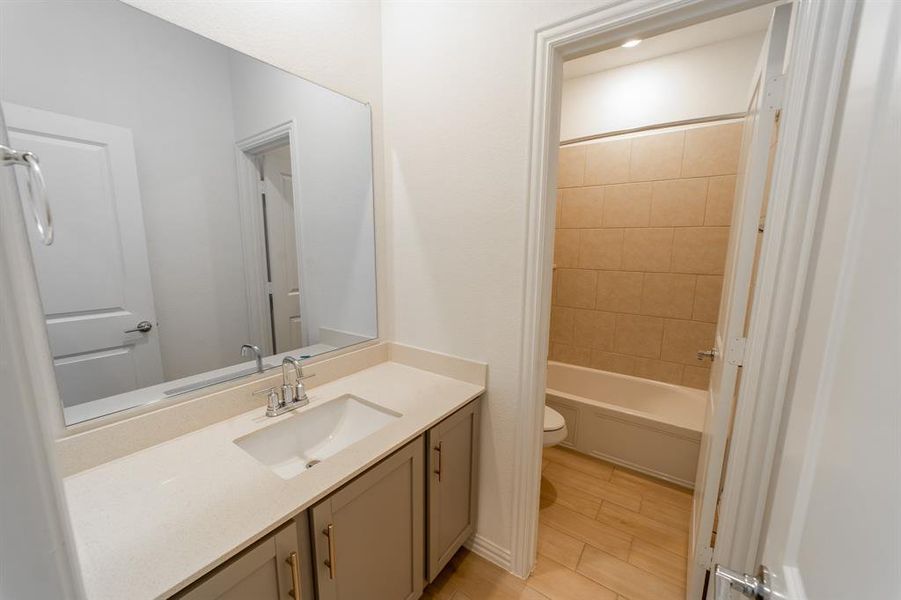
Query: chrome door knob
x,y
142,327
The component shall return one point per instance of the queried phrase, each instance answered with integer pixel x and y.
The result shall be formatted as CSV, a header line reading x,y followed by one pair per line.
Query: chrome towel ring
x,y
37,189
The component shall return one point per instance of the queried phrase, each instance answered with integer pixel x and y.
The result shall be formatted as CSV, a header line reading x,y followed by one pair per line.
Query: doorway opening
x,y
279,234
268,204
271,245
652,278
743,415
285,312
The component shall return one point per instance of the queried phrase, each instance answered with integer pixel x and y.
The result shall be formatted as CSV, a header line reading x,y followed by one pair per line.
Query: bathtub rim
x,y
663,425
634,417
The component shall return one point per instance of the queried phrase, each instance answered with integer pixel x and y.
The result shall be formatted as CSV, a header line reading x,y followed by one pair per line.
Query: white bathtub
x,y
642,424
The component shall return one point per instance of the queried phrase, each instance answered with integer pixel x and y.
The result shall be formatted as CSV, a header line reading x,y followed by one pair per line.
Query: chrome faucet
x,y
255,350
292,396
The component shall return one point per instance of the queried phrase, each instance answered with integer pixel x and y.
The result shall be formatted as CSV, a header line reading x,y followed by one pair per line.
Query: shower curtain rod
x,y
697,121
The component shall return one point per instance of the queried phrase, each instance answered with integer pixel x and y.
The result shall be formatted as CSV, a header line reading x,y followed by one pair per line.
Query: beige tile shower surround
x,y
642,228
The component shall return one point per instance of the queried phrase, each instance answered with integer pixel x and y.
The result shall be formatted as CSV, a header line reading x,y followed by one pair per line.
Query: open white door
x,y
281,246
833,526
758,130
95,278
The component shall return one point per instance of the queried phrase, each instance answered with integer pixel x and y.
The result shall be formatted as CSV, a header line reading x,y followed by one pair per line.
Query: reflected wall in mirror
x,y
202,200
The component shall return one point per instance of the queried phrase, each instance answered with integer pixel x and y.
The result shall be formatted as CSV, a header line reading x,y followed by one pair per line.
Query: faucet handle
x,y
300,392
273,400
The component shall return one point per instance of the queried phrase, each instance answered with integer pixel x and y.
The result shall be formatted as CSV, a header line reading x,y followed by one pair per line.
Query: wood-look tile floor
x,y
605,533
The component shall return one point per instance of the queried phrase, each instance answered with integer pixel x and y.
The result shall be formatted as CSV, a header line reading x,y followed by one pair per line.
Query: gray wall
x,y
187,100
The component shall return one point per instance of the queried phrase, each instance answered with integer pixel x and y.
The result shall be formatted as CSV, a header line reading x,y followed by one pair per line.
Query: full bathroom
x,y
651,138
646,181
452,300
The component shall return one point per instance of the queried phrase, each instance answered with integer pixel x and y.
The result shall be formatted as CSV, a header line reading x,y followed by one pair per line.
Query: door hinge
x,y
775,92
268,287
261,187
735,351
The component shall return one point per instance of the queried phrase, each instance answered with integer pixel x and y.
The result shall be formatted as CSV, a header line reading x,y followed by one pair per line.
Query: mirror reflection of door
x,y
281,250
95,278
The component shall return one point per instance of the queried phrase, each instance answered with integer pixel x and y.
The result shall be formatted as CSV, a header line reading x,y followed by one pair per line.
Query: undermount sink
x,y
306,438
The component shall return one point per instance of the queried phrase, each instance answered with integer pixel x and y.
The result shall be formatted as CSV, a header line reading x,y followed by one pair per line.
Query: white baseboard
x,y
647,471
490,551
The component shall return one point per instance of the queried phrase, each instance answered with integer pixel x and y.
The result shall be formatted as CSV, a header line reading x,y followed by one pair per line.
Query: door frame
x,y
800,182
253,242
820,35
32,418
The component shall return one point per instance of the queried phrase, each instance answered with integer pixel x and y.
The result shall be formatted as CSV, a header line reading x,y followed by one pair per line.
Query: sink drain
x,y
312,463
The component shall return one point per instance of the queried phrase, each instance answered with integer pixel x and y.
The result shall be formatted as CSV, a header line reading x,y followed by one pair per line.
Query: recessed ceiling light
x,y
631,43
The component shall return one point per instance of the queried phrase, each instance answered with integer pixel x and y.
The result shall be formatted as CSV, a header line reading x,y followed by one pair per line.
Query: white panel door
x,y
757,134
833,530
95,278
282,249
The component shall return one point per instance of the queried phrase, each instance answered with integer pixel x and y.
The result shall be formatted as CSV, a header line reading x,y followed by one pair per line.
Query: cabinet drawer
x,y
268,570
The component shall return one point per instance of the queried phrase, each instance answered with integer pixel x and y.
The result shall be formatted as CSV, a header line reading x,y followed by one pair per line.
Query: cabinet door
x,y
453,479
268,570
368,536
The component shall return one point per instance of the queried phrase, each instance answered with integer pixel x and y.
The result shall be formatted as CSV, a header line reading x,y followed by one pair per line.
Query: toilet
x,y
554,427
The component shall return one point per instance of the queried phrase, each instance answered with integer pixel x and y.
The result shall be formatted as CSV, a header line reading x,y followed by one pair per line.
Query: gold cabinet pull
x,y
438,468
294,561
329,532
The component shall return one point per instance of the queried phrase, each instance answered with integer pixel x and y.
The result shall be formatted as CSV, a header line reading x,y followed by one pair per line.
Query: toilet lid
x,y
552,419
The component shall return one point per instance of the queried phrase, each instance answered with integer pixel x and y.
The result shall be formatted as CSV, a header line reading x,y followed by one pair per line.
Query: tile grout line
x,y
578,562
643,497
651,573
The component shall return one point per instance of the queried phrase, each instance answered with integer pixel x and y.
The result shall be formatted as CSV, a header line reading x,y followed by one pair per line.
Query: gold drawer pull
x,y
329,532
295,575
438,468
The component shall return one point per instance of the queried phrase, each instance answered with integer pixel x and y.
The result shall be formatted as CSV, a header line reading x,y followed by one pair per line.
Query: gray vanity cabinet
x,y
368,536
453,447
269,570
380,537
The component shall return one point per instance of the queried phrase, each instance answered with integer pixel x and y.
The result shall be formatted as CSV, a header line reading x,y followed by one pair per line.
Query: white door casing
x,y
757,135
248,153
833,529
282,249
37,549
814,85
95,278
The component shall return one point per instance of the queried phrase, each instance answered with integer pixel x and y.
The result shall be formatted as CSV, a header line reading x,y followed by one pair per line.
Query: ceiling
x,y
709,32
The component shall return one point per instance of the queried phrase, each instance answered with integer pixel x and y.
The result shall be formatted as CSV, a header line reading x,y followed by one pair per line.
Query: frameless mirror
x,y
202,201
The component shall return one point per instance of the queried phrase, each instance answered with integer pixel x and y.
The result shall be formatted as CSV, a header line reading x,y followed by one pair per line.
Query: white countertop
x,y
151,522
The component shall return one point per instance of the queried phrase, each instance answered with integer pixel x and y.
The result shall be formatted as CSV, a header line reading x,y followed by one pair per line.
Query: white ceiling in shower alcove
x,y
697,72
709,32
